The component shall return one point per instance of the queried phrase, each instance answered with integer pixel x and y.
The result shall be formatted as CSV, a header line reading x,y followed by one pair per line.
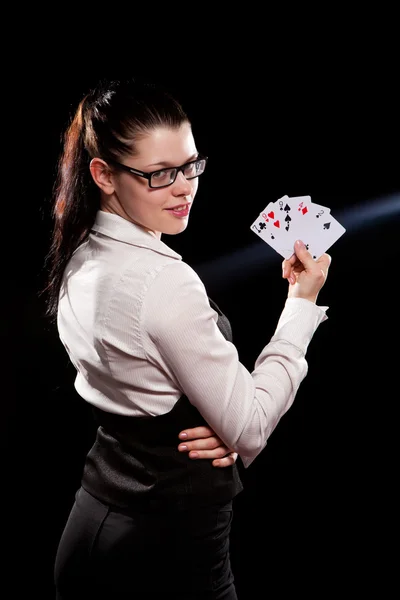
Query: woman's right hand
x,y
203,442
305,275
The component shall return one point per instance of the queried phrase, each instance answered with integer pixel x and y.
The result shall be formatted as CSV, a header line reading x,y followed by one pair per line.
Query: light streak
x,y
245,262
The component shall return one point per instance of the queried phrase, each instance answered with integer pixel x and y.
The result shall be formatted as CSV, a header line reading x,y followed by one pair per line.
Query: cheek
x,y
139,196
195,186
129,190
158,198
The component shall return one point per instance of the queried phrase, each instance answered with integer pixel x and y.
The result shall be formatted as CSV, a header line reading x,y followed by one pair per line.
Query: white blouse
x,y
138,326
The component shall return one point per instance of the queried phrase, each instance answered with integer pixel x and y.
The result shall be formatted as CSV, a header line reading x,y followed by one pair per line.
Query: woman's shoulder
x,y
174,279
152,274
174,274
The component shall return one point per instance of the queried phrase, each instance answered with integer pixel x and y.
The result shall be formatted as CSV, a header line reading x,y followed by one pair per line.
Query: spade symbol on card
x,y
286,208
326,225
287,220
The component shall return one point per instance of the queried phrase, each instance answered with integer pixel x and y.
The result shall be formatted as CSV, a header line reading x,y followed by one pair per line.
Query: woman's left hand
x,y
202,442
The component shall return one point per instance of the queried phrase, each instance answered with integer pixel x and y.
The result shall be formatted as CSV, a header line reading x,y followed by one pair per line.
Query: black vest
x,y
134,462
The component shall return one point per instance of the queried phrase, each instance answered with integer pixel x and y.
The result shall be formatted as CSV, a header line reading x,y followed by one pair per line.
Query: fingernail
x,y
299,243
183,436
182,447
194,455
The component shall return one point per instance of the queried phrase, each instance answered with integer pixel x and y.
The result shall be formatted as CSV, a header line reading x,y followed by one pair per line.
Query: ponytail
x,y
76,201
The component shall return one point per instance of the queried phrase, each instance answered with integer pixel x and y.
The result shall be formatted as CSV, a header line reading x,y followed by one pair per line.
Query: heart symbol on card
x,y
277,224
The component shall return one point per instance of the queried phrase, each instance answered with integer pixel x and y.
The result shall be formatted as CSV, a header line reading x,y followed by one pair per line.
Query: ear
x,y
102,175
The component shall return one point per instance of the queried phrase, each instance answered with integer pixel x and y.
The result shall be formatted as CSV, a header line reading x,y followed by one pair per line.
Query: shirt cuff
x,y
298,322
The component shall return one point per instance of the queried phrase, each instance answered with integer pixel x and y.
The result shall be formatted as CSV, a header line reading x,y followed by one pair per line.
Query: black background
x,y
316,514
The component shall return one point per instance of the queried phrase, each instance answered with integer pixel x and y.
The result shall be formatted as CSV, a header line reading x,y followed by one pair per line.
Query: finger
x,y
197,432
287,265
209,443
226,461
303,254
324,263
218,452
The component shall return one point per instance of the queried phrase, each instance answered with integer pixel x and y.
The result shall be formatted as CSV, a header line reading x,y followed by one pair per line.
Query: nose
x,y
181,185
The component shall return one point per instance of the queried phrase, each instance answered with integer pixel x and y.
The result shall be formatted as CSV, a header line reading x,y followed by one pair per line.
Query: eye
x,y
160,174
191,168
163,177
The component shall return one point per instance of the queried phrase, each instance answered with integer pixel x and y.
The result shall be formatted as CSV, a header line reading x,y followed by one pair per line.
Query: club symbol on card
x,y
308,248
261,226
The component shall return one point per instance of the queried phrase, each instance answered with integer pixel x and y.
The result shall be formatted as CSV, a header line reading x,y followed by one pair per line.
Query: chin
x,y
176,228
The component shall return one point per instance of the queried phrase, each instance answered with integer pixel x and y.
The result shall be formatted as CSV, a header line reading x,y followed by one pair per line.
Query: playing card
x,y
301,215
271,235
320,236
293,213
264,219
318,211
284,218
287,219
259,226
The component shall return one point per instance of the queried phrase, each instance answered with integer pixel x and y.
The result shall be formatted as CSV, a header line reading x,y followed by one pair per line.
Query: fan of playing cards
x,y
286,220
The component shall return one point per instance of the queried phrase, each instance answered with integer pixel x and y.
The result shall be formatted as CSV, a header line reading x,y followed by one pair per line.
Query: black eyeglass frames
x,y
165,177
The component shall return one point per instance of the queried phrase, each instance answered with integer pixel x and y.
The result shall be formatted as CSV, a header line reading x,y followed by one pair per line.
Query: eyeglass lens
x,y
168,176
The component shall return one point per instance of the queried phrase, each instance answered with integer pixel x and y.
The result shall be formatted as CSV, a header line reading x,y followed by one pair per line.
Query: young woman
x,y
154,357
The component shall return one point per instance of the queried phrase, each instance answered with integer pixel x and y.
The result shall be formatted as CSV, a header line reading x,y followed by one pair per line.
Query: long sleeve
x,y
181,337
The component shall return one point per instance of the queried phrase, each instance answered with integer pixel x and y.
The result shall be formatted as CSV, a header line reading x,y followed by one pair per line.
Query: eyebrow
x,y
167,164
